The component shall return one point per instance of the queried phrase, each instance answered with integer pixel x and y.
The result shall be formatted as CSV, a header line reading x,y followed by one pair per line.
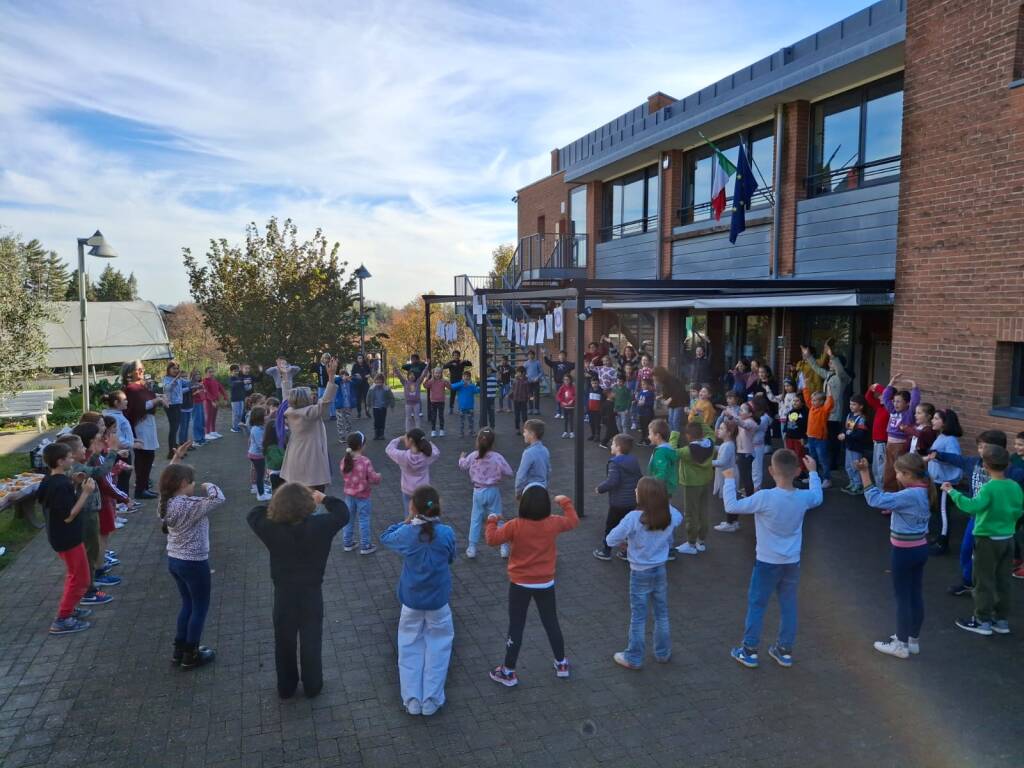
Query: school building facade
x,y
889,153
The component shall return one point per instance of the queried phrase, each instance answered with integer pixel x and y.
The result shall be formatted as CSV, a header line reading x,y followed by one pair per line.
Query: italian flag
x,y
722,170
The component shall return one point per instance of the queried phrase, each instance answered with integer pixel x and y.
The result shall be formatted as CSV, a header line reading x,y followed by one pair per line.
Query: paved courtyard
x,y
109,697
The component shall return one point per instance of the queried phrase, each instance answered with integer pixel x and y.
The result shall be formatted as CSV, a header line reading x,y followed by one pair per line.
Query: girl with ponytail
x,y
185,521
487,469
413,454
359,477
425,629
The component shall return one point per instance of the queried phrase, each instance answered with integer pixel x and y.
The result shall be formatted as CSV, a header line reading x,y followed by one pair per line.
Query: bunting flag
x,y
540,331
549,325
558,319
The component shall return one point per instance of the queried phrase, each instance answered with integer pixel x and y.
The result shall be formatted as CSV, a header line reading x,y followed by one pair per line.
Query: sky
x,y
402,129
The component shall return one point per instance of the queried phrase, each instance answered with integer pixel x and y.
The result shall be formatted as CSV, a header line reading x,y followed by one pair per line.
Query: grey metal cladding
x,y
634,257
714,257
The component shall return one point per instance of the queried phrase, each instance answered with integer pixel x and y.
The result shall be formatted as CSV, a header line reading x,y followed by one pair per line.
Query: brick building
x,y
889,153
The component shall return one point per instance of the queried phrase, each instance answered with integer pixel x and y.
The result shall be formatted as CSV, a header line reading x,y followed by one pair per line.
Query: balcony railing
x,y
627,228
854,176
702,211
551,251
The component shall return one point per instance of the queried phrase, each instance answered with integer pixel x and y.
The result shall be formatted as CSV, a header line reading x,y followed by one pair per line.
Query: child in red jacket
x,y
531,573
879,436
566,397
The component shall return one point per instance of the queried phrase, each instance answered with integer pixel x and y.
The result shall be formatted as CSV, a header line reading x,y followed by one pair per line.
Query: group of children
x,y
716,457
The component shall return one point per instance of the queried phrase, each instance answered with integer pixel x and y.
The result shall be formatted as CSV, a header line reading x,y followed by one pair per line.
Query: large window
x,y
857,138
577,254
636,328
630,204
760,147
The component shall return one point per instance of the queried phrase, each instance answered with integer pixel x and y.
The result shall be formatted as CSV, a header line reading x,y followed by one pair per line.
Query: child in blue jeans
x,y
778,520
486,469
466,392
360,479
648,530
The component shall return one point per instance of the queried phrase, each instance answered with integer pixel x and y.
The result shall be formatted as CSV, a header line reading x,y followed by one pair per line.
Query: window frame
x,y
1017,378
746,137
858,98
647,223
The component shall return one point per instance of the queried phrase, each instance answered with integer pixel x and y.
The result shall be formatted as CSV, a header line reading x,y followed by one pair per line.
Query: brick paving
x,y
108,697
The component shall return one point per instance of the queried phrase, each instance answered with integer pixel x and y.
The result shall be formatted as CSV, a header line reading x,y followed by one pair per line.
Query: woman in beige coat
x,y
306,459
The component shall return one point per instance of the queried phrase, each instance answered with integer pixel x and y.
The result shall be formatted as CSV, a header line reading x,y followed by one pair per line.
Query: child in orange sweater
x,y
531,573
817,431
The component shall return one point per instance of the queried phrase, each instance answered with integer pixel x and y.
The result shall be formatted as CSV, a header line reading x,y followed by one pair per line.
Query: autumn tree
x,y
193,343
276,295
24,306
501,258
406,333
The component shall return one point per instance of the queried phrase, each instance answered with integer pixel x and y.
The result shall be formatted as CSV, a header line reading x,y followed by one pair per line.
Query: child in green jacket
x,y
664,462
996,507
696,475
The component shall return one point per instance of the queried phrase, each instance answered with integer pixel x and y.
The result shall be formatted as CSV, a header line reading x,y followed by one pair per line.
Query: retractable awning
x,y
841,299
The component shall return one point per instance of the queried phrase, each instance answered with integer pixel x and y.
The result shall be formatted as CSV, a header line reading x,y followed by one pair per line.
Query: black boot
x,y
197,656
179,652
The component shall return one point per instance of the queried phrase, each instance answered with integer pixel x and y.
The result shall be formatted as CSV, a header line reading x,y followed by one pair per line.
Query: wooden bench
x,y
34,404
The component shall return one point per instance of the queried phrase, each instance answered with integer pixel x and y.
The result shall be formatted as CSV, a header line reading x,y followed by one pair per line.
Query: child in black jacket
x,y
299,539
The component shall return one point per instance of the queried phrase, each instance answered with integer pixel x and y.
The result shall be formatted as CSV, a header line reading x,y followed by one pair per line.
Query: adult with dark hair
x,y
697,370
306,459
766,386
455,367
142,405
361,374
320,371
673,394
835,381
299,543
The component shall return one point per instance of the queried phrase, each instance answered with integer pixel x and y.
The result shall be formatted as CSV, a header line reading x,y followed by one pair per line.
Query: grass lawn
x,y
14,533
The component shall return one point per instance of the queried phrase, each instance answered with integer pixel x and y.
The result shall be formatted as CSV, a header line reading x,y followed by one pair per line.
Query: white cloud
x,y
402,129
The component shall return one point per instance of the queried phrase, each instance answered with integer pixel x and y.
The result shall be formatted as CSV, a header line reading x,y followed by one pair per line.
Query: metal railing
x,y
702,211
830,180
627,228
551,251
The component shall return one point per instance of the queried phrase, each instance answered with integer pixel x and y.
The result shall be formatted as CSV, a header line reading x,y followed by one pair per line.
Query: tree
x,y
193,343
47,270
71,293
276,296
24,307
114,286
501,258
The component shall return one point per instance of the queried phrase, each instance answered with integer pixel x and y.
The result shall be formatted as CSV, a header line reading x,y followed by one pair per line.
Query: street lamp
x,y
362,273
98,247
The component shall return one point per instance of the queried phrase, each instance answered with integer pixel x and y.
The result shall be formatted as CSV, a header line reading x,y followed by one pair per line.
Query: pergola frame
x,y
580,290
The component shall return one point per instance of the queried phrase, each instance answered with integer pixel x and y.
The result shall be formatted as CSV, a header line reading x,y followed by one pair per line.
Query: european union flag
x,y
744,189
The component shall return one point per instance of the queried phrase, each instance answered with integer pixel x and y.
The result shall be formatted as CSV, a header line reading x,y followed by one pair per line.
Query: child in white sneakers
x,y
487,468
360,479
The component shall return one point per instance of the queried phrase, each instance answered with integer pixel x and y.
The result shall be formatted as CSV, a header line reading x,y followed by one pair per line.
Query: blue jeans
x,y
818,449
193,580
330,408
360,508
199,423
766,578
675,419
851,471
907,575
237,413
184,426
650,585
486,501
967,554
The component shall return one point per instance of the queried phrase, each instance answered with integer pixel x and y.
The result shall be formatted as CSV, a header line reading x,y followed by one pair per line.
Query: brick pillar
x,y
554,161
793,182
671,201
670,339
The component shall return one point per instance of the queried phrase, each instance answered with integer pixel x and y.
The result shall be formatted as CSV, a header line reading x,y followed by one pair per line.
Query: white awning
x,y
760,302
119,331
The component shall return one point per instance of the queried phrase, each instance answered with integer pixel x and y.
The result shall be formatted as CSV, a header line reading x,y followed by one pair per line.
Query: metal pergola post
x,y
581,403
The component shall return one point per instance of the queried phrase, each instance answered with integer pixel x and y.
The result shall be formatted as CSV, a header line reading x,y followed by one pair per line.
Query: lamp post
x,y
362,273
98,247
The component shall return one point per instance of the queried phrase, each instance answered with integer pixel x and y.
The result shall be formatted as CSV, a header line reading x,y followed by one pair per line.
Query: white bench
x,y
34,404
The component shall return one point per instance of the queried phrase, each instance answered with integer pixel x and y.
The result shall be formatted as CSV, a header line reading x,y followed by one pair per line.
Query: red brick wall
x,y
796,136
671,201
960,245
543,198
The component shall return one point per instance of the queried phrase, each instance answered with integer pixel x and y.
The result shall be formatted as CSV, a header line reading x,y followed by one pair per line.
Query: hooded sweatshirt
x,y
415,466
695,468
623,475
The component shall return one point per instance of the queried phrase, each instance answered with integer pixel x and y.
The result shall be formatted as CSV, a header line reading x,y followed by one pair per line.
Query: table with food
x,y
19,492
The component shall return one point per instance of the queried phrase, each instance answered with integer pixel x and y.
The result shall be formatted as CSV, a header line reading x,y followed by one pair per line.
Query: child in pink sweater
x,y
413,454
359,478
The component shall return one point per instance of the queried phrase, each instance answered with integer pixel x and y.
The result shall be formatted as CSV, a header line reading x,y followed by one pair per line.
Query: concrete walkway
x,y
109,697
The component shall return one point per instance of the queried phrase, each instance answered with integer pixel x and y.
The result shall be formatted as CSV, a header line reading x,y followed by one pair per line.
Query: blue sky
x,y
401,128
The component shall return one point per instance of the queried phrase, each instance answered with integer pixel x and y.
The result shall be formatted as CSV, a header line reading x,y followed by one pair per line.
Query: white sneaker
x,y
572,435
119,523
350,547
701,546
471,552
893,647
264,497
686,548
252,488
504,550
440,433
826,484
214,436
558,415
413,707
726,527
565,435
913,645
433,433
428,708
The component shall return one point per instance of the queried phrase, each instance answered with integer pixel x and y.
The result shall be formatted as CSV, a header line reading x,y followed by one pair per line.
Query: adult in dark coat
x,y
697,369
361,373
